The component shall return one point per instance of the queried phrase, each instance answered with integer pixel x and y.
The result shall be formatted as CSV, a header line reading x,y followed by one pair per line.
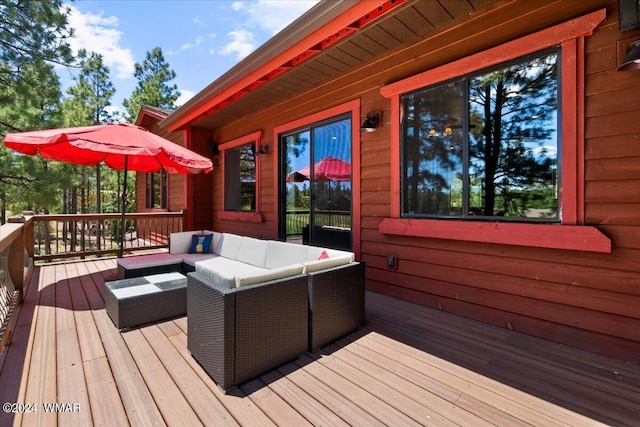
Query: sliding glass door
x,y
315,175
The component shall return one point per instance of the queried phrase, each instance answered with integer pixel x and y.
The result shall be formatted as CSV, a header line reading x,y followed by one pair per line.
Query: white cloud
x,y
185,95
99,34
274,15
197,42
242,44
259,16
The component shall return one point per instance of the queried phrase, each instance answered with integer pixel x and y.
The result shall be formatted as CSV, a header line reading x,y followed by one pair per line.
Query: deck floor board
x,y
409,365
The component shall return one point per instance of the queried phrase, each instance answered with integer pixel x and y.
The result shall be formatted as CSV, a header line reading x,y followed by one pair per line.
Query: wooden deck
x,y
408,366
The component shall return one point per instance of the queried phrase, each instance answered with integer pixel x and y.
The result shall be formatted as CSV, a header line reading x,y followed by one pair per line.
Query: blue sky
x,y
200,39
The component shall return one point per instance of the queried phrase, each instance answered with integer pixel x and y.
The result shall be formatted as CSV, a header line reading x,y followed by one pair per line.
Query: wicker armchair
x,y
237,334
336,303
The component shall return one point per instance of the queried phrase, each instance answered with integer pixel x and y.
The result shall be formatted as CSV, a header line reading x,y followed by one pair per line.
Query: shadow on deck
x,y
409,365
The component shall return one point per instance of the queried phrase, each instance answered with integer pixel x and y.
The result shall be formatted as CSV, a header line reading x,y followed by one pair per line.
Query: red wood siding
x,y
175,183
199,187
589,300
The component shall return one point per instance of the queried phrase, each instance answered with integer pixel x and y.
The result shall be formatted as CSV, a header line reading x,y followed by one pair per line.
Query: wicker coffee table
x,y
139,300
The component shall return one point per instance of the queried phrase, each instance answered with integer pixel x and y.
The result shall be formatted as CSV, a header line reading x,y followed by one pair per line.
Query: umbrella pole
x,y
124,209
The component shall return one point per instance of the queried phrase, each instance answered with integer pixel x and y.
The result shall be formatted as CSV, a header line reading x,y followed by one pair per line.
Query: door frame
x,y
352,107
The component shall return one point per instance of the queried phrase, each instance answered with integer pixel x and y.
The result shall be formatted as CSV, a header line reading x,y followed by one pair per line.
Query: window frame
x,y
235,215
150,185
464,81
570,233
352,107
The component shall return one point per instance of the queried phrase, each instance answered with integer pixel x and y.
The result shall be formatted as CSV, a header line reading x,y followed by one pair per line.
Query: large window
x,y
240,178
156,190
484,145
512,156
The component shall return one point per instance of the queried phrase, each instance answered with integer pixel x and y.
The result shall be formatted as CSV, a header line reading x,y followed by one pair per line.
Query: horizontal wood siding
x,y
587,300
199,187
175,182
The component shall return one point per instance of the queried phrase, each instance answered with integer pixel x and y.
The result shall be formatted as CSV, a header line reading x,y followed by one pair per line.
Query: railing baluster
x,y
16,268
99,234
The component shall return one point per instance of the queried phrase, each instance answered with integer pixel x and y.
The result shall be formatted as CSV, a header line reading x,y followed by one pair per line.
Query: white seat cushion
x,y
321,264
222,270
247,278
191,259
151,260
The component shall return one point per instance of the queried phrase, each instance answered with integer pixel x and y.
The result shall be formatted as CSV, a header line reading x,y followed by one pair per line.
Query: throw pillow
x,y
323,255
200,243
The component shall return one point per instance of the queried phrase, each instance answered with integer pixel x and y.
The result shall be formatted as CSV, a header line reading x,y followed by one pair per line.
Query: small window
x,y
157,190
240,178
484,145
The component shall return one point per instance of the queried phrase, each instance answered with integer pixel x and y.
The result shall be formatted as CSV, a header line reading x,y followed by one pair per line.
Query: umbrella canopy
x,y
327,169
121,146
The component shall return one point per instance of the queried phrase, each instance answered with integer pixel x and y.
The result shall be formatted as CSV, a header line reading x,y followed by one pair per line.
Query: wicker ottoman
x,y
139,300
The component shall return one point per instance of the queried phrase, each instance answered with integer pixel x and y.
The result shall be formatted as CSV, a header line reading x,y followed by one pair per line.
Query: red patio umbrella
x,y
327,169
121,146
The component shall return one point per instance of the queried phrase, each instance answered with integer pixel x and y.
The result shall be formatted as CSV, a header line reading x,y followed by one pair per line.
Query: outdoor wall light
x,y
632,60
213,148
371,122
214,151
263,149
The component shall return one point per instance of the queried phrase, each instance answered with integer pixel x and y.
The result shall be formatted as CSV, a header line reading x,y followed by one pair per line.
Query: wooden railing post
x,y
29,236
16,257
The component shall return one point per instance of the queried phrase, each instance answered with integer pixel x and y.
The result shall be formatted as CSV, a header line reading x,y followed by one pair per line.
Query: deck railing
x,y
86,235
16,268
28,238
297,220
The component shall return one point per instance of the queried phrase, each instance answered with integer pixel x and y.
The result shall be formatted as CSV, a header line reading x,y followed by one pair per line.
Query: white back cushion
x,y
314,253
228,245
215,240
281,254
179,243
253,251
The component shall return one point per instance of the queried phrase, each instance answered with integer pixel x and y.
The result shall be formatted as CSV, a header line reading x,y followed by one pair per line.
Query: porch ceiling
x,y
403,24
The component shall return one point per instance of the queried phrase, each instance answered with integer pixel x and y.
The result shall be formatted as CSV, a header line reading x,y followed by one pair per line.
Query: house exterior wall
x,y
199,193
585,299
175,183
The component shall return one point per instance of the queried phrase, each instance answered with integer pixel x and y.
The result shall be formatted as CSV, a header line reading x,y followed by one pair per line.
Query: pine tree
x,y
153,86
31,32
35,104
87,105
89,98
33,36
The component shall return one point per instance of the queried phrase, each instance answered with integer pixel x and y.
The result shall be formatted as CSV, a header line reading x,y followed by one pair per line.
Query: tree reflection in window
x,y
484,145
240,178
156,190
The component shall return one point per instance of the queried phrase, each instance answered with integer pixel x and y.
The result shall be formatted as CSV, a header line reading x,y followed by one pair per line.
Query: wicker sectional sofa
x,y
177,259
255,304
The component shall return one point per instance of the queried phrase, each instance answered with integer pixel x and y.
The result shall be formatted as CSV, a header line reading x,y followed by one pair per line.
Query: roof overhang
x,y
148,112
323,25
